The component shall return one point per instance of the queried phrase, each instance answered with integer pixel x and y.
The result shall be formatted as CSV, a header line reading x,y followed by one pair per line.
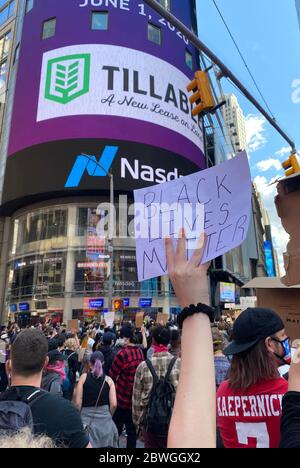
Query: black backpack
x,y
15,410
158,413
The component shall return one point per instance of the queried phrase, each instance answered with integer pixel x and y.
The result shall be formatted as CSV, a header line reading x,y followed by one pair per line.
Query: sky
x,y
268,34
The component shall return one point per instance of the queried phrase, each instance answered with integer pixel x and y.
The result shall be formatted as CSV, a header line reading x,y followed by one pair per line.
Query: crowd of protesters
x,y
199,382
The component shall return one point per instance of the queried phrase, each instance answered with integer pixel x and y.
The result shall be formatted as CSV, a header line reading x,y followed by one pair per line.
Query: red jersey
x,y
251,419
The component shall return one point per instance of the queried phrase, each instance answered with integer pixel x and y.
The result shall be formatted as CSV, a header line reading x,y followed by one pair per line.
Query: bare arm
x,y
294,373
193,423
112,395
79,392
145,344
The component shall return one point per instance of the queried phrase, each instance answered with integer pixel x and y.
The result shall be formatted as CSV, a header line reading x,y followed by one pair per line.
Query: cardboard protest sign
x,y
72,326
217,201
162,318
249,301
272,294
139,319
109,318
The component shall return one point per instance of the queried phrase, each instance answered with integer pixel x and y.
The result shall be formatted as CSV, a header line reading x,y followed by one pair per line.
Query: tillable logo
x,y
68,78
92,166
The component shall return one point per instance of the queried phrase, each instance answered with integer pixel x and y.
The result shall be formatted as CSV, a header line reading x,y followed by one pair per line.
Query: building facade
x,y
235,122
89,103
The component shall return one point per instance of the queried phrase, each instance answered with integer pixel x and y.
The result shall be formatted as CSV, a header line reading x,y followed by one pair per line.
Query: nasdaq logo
x,y
92,166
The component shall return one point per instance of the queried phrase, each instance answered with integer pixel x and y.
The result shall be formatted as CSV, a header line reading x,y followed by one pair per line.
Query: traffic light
x,y
203,95
291,166
118,305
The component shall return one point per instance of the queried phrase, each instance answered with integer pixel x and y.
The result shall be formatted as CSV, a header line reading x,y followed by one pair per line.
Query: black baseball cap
x,y
252,326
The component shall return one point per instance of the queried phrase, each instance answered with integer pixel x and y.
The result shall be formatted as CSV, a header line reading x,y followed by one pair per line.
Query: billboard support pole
x,y
110,243
200,46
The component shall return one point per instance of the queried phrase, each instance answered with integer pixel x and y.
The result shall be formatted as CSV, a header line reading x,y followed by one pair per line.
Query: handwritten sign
x,y
224,192
139,319
109,319
162,318
72,326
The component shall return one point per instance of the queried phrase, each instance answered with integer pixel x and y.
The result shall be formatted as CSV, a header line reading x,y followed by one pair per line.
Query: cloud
x,y
255,131
268,164
280,237
283,151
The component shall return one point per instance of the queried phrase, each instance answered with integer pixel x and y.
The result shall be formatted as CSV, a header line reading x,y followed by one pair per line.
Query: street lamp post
x,y
110,242
110,234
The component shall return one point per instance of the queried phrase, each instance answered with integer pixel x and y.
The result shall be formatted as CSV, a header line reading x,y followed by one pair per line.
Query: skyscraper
x,y
235,122
298,9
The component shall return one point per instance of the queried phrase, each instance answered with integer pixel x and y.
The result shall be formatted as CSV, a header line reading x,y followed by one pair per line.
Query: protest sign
x,y
109,318
162,318
72,326
2,352
139,319
216,201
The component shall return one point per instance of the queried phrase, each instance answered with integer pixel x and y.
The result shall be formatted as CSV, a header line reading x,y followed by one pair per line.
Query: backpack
x,y
159,410
15,410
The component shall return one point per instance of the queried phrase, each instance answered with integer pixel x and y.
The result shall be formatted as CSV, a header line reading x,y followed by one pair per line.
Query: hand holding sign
x,y
225,193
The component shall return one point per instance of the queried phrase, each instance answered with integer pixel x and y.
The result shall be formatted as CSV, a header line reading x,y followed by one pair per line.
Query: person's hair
x,y
252,366
175,337
161,335
61,339
25,439
218,339
71,344
29,352
96,362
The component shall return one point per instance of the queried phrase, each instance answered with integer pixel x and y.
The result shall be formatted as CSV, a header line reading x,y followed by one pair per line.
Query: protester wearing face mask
x,y
249,402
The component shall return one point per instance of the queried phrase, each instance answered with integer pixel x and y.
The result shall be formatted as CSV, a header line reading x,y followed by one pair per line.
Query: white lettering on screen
x,y
122,4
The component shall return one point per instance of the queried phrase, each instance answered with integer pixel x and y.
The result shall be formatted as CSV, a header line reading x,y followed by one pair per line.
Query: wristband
x,y
198,309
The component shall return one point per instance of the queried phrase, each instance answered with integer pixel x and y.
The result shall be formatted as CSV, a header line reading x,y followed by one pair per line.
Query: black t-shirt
x,y
290,421
57,418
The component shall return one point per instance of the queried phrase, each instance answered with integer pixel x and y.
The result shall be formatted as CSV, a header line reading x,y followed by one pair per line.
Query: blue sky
x,y
268,34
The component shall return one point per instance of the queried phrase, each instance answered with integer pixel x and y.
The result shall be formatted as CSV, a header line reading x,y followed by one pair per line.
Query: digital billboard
x,y
90,101
227,292
269,259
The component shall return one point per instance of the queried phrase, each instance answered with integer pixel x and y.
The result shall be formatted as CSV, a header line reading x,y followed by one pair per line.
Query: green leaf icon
x,y
68,78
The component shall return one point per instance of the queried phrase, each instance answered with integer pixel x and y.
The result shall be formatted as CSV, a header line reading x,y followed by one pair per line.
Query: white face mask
x,y
121,342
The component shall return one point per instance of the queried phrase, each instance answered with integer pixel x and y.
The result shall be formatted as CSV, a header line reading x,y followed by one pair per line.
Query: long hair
x,y
96,360
251,367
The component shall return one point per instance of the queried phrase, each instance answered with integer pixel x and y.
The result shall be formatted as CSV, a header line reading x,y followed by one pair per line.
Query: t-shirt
x,y
251,419
57,418
290,422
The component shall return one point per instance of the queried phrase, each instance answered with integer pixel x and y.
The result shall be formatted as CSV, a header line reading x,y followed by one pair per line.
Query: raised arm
x,y
193,423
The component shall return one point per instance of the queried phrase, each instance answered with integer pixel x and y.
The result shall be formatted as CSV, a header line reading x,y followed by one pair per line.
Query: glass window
x,y
39,226
154,34
29,5
189,59
6,44
7,11
37,276
11,9
99,20
3,75
166,4
49,28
